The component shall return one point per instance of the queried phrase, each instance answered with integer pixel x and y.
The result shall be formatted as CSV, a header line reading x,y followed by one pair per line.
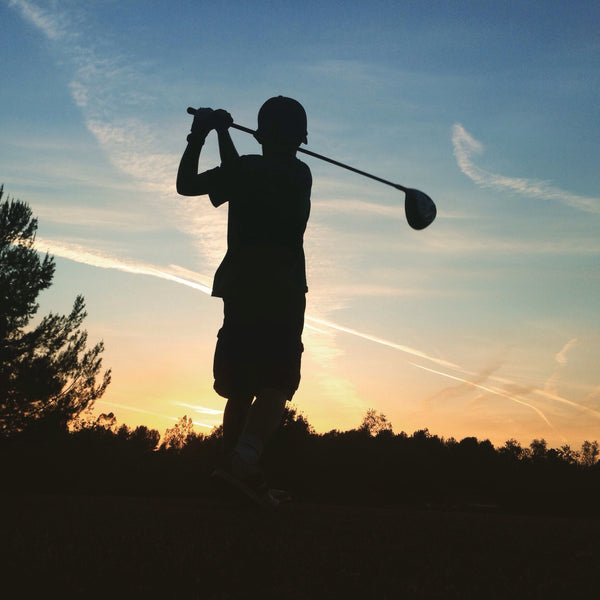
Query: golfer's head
x,y
282,121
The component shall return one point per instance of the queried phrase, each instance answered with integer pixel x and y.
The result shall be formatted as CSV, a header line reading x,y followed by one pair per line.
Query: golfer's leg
x,y
263,419
234,420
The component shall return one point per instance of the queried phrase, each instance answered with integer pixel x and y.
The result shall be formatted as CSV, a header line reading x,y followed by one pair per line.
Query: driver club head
x,y
419,208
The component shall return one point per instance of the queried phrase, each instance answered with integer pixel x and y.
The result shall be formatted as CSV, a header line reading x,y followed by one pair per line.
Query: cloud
x,y
460,242
97,259
492,390
487,381
561,357
466,145
149,412
593,395
116,219
359,208
551,385
131,147
200,409
377,340
50,24
112,91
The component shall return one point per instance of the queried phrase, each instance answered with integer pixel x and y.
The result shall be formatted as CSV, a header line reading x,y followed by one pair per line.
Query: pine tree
x,y
47,375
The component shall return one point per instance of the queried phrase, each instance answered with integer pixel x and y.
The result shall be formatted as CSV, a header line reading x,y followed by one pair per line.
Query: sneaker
x,y
248,479
281,496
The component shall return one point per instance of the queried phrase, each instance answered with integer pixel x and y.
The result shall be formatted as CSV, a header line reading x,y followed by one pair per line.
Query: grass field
x,y
56,546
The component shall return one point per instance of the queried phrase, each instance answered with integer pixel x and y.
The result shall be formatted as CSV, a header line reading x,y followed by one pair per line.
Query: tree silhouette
x,y
539,449
589,453
375,423
47,376
567,455
512,449
179,435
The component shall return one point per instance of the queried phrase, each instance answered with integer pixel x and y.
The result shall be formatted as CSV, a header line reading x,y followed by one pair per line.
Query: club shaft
x,y
337,163
333,162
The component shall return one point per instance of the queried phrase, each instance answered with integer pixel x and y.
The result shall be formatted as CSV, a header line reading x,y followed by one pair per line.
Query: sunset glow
x,y
484,324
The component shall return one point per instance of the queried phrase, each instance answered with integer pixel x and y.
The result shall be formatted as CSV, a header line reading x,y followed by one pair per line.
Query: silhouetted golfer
x,y
262,278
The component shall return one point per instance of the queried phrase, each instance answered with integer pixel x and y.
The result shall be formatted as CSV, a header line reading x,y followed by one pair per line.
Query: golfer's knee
x,y
273,396
240,400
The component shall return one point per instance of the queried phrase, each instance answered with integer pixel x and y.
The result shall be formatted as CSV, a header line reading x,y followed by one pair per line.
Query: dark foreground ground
x,y
114,547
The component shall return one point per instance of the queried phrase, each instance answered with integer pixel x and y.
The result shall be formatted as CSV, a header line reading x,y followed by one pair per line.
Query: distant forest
x,y
369,465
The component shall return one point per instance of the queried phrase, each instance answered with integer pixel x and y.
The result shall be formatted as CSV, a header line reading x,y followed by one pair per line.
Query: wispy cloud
x,y
529,396
460,242
561,357
51,24
358,208
200,409
143,411
550,395
111,92
377,340
133,149
551,386
115,219
492,390
465,146
97,259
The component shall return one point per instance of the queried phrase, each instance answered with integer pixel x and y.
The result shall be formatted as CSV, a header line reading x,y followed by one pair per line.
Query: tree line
x,y
49,440
368,465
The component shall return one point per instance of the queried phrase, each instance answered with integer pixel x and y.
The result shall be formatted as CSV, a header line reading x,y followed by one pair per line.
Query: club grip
x,y
192,111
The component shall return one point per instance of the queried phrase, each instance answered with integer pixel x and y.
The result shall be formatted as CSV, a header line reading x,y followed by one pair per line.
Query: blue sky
x,y
484,324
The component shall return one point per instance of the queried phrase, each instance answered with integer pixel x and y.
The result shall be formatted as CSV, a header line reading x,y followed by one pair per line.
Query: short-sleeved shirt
x,y
269,206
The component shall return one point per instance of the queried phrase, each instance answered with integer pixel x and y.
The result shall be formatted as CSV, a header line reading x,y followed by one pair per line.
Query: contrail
x,y
148,412
549,396
490,390
81,255
466,145
201,409
372,338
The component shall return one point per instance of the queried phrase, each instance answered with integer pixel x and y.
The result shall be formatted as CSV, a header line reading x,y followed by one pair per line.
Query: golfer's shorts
x,y
259,346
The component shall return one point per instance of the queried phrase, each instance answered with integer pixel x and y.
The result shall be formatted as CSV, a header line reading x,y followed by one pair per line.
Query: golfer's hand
x,y
202,123
221,120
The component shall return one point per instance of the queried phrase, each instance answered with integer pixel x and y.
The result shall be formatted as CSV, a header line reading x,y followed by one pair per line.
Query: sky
x,y
484,324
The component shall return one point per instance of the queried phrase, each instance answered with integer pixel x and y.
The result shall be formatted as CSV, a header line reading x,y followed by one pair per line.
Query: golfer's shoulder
x,y
298,170
302,176
303,167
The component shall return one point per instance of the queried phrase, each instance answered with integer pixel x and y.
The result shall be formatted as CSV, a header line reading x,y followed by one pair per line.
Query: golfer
x,y
262,278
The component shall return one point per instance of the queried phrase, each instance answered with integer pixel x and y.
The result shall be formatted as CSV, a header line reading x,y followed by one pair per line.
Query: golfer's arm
x,y
189,181
227,149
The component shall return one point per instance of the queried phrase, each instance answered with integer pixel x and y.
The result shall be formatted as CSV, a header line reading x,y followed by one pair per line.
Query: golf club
x,y
419,208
